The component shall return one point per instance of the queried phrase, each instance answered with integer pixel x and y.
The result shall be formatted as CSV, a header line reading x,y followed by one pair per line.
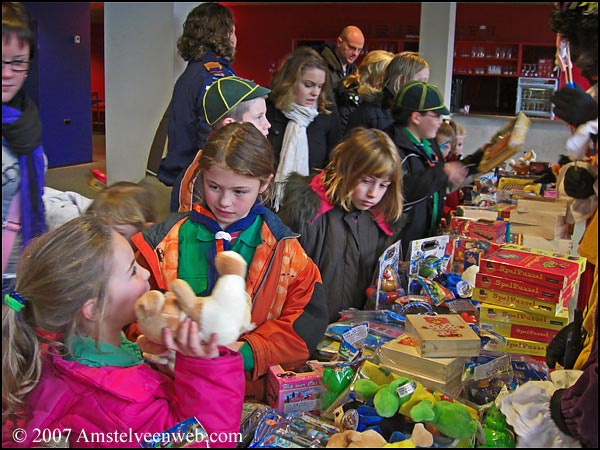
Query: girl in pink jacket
x,y
69,374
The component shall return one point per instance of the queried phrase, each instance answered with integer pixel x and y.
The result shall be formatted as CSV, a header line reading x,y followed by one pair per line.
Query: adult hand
x,y
188,343
579,183
574,105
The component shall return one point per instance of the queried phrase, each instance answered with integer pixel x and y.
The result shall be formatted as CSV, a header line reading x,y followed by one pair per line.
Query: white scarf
x,y
294,149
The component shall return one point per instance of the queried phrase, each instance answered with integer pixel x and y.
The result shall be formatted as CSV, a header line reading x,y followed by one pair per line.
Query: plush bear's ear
x,y
230,263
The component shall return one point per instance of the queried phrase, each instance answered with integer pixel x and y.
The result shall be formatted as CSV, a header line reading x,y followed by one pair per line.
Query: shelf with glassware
x,y
502,59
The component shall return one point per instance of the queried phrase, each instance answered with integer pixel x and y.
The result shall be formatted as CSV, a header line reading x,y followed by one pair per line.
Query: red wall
x,y
266,31
97,59
516,22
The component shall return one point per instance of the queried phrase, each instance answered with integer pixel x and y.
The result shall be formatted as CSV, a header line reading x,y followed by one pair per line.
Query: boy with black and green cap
x,y
417,110
227,100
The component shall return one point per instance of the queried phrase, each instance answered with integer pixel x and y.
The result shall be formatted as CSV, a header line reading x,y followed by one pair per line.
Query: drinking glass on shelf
x,y
508,53
534,72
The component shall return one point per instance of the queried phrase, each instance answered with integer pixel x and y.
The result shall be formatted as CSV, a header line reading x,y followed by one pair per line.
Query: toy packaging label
x,y
293,392
389,280
493,313
423,248
518,287
466,248
490,230
531,267
518,331
518,346
444,335
189,433
505,143
402,353
520,302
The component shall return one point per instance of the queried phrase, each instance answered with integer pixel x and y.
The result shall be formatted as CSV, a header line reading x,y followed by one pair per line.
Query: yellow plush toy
x,y
225,312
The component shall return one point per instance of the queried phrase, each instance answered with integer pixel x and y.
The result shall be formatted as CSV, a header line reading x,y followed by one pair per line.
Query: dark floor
x,y
76,178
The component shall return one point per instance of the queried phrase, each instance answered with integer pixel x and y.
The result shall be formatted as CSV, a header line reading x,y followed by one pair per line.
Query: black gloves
x,y
574,105
566,346
579,183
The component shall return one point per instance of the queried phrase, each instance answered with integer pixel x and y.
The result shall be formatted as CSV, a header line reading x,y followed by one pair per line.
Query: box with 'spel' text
x,y
290,391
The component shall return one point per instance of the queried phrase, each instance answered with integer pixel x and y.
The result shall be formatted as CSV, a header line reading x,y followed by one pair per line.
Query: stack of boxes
x,y
540,222
433,351
524,294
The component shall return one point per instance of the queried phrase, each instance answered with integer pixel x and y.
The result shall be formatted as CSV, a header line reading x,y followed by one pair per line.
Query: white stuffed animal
x,y
226,312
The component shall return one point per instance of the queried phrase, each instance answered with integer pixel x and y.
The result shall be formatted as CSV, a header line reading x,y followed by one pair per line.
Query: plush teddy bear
x,y
356,439
225,312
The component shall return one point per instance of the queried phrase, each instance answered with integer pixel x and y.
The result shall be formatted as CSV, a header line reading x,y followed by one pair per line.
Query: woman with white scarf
x,y
304,124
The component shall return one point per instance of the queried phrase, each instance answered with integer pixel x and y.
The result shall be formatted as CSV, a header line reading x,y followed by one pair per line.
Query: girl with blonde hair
x,y
365,82
375,108
348,214
67,367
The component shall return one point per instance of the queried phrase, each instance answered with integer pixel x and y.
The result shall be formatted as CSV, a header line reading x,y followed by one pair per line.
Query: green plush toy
x,y
398,396
335,380
385,398
451,418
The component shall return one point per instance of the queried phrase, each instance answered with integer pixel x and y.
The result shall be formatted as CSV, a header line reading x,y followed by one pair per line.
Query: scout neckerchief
x,y
205,217
431,158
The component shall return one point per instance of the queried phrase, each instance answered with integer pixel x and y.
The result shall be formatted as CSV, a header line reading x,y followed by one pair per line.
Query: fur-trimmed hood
x,y
300,203
304,200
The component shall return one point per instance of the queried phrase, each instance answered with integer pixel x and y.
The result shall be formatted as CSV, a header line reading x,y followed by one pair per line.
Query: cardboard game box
x,y
518,346
444,335
293,391
505,143
402,352
514,301
493,313
518,287
518,331
490,230
522,264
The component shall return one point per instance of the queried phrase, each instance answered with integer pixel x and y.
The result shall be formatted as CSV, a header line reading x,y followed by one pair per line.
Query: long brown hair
x,y
402,68
365,152
283,84
207,27
56,274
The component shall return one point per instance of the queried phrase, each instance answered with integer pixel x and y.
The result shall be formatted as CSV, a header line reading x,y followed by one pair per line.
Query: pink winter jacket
x,y
115,403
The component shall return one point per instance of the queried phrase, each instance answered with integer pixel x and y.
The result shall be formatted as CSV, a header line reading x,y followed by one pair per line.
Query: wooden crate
x,y
402,352
444,335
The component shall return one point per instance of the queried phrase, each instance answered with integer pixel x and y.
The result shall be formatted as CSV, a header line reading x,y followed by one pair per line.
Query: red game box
x,y
514,286
517,302
490,230
544,270
518,331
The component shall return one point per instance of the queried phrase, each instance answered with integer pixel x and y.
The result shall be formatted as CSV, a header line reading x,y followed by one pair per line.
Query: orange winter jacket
x,y
288,301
